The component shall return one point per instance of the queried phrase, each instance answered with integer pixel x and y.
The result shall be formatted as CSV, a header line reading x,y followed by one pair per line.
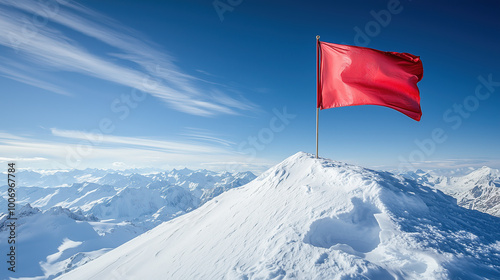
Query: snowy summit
x,y
309,218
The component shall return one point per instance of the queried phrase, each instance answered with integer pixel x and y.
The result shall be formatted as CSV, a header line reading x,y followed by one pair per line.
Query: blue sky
x,y
230,85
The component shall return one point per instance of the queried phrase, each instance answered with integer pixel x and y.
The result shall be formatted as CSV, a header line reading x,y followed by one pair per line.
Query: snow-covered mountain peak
x,y
184,171
420,171
27,210
309,218
483,174
477,189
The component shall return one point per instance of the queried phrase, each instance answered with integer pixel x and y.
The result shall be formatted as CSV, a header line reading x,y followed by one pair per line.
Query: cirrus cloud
x,y
37,32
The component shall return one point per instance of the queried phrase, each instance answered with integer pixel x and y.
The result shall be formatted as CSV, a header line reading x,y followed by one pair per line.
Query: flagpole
x,y
317,118
317,85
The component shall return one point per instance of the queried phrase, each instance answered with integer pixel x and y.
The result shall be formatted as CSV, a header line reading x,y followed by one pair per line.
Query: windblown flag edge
x,y
351,76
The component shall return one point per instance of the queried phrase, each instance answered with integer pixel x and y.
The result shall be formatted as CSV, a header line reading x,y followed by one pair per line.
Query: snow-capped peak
x,y
309,218
483,174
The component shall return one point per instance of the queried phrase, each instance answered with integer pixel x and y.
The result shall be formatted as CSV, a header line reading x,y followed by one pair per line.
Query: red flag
x,y
352,76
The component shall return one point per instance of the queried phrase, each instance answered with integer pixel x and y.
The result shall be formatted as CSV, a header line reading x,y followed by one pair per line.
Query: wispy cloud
x,y
457,163
205,135
138,142
10,159
155,71
65,149
20,73
444,164
240,166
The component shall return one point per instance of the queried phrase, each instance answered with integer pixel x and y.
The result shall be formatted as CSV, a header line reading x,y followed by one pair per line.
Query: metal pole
x,y
317,88
317,119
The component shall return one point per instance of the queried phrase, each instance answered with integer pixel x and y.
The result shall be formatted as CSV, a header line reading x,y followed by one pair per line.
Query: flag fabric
x,y
350,76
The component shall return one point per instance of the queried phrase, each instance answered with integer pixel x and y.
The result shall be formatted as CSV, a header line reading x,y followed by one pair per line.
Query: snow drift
x,y
310,218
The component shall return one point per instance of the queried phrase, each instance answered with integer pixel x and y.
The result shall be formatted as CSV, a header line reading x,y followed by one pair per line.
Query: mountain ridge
x,y
75,223
313,218
477,190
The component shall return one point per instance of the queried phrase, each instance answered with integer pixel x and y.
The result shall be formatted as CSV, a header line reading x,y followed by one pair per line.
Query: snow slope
x,y
310,218
46,241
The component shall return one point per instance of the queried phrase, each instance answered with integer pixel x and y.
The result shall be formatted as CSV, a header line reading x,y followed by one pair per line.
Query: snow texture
x,y
310,218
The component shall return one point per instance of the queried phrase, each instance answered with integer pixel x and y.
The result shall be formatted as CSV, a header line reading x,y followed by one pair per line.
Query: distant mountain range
x,y
478,189
68,218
